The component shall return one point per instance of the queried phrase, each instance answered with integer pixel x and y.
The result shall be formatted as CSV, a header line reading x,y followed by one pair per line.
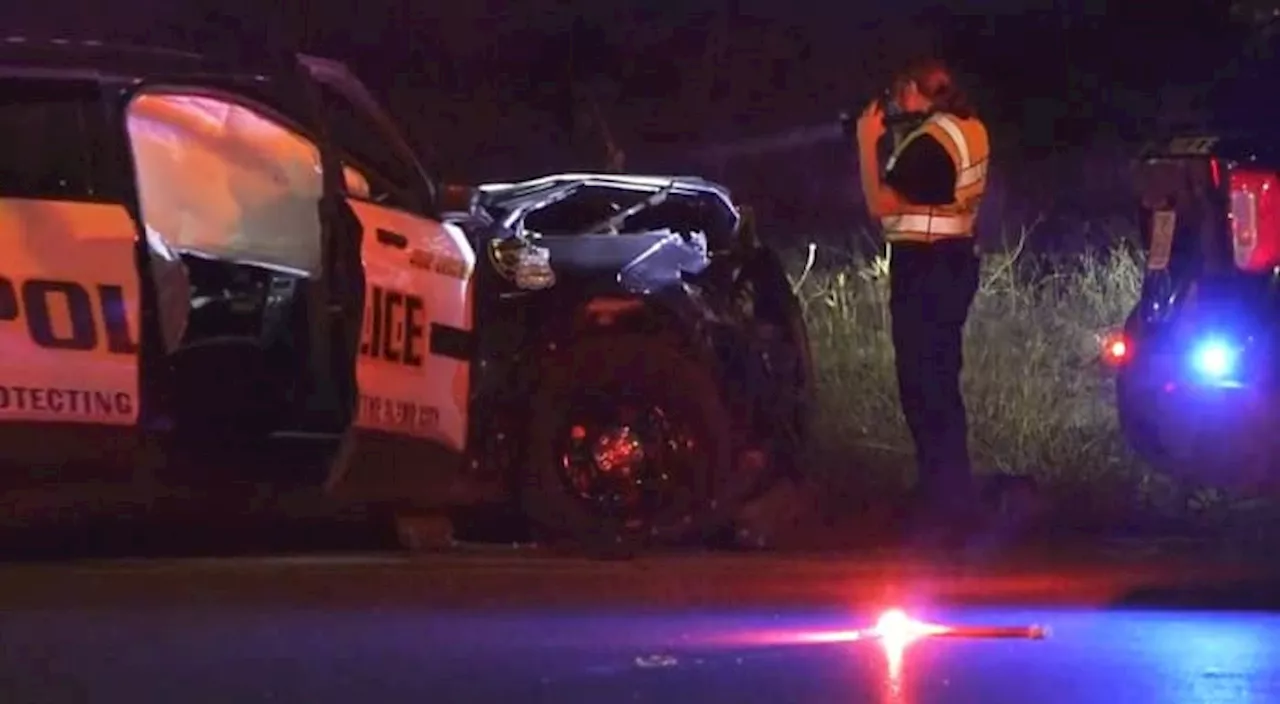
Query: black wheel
x,y
629,439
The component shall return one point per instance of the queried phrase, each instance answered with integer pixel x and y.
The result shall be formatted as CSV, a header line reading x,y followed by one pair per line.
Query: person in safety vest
x,y
927,202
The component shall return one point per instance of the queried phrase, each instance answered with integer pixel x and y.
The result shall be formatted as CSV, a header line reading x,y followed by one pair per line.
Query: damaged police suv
x,y
222,272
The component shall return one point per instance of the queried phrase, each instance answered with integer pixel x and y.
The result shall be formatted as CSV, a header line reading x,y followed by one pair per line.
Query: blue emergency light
x,y
1216,360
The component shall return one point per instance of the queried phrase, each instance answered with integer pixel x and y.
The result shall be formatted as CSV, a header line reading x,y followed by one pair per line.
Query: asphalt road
x,y
507,627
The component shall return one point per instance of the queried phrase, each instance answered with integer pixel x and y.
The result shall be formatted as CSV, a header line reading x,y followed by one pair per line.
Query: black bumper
x,y
1222,435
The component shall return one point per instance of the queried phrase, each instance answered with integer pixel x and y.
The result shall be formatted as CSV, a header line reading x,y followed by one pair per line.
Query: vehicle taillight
x,y
1116,349
1255,219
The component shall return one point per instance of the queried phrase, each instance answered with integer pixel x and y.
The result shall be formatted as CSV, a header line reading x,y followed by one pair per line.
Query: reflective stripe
x,y
902,146
967,172
931,224
953,131
972,175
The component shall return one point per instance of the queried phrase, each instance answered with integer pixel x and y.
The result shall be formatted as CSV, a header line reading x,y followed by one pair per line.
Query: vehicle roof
x,y
92,58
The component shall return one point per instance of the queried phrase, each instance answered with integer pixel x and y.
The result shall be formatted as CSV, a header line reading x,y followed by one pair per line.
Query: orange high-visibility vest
x,y
966,141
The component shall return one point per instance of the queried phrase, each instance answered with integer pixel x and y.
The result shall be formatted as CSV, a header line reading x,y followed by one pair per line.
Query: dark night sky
x,y
481,84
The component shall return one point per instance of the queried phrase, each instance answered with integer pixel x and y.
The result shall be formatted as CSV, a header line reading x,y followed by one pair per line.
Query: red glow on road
x,y
897,631
894,630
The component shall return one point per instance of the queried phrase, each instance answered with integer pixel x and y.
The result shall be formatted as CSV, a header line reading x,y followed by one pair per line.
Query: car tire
x,y
637,368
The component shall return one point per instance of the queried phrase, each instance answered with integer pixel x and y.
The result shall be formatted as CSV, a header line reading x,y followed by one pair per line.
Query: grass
x,y
1039,400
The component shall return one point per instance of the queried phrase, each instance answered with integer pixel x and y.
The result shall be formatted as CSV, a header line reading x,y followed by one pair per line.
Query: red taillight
x,y
1255,219
1116,349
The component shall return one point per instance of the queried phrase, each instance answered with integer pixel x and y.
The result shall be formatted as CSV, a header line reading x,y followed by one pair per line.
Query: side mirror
x,y
457,199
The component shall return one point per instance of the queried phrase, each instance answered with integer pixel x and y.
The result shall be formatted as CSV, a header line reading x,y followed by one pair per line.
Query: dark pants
x,y
931,289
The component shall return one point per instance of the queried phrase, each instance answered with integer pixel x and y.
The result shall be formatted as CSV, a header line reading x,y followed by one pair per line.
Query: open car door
x,y
413,367
242,232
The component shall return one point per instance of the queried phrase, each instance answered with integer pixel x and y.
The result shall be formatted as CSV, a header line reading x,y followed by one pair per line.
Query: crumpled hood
x,y
639,262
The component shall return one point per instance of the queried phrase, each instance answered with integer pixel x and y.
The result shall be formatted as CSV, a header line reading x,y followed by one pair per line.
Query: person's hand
x,y
871,125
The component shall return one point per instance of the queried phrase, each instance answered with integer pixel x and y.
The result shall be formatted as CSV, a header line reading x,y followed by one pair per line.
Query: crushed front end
x,y
577,261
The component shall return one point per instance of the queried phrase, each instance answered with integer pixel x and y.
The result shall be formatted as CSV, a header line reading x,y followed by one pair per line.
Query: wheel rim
x,y
633,463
